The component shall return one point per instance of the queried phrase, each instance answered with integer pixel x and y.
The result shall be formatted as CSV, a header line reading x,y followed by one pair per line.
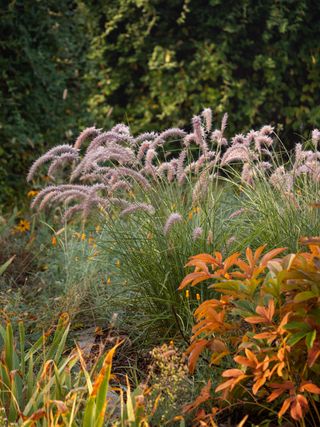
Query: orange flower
x,y
32,193
53,240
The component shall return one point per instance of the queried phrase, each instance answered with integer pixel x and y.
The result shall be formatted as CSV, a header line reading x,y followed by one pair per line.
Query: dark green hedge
x,y
158,62
42,54
152,64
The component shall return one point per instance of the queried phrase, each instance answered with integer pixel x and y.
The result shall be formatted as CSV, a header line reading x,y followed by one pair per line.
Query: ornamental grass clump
x,y
115,162
162,196
264,328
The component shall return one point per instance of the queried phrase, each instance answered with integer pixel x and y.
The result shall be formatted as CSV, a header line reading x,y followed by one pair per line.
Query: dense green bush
x,y
69,64
156,62
41,60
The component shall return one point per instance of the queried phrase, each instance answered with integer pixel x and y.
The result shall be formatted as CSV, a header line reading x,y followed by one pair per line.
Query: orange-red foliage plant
x,y
267,322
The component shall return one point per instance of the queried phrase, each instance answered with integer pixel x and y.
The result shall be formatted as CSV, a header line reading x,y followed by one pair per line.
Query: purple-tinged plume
x,y
91,132
237,152
49,156
199,134
168,134
207,115
173,219
315,136
134,207
197,233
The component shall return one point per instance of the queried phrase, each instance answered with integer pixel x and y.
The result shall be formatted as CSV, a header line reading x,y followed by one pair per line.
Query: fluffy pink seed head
x,y
315,137
196,234
207,115
237,213
91,132
191,137
197,129
239,139
237,152
173,219
134,207
266,130
224,122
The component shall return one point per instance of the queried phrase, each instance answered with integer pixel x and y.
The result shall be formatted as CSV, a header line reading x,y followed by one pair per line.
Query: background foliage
x,y
42,98
151,64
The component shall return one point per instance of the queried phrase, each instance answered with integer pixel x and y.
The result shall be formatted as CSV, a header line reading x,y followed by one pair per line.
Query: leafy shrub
x,y
267,321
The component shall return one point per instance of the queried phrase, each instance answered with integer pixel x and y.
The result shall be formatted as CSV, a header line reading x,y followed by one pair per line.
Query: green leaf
x,y
296,338
4,266
304,296
89,412
310,337
297,325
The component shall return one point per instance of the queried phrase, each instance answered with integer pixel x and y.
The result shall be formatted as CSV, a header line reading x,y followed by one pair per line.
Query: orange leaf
x,y
107,363
298,406
208,259
258,384
200,265
268,312
313,354
232,373
230,261
268,256
195,353
275,394
310,387
236,376
258,253
244,361
283,322
203,397
309,240
242,422
285,406
197,277
250,258
243,266
224,385
255,319
271,336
